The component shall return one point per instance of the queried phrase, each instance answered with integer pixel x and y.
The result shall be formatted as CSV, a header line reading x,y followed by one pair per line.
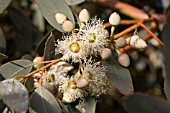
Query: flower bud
x,y
82,82
60,18
124,59
67,26
106,53
121,42
133,39
114,19
140,44
37,60
84,15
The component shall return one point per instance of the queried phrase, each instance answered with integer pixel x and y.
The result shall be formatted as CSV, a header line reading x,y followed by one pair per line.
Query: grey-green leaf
x,y
29,83
14,95
16,67
43,101
74,2
2,40
49,51
49,8
4,4
2,106
167,87
89,105
3,56
140,103
120,78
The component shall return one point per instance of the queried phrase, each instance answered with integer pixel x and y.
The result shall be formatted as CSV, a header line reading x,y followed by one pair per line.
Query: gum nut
x,y
82,82
36,60
84,15
124,60
67,26
133,39
106,53
114,19
121,42
60,18
140,44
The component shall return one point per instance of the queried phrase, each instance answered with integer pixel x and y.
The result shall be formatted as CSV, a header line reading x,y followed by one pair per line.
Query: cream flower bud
x,y
82,82
60,18
84,15
121,42
106,53
114,19
37,60
67,26
140,44
124,59
133,39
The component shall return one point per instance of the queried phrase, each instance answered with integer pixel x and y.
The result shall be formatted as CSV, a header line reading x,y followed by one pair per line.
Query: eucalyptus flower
x,y
96,74
94,36
72,48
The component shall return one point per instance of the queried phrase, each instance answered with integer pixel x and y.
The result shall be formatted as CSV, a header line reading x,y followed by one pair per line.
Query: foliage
x,y
82,58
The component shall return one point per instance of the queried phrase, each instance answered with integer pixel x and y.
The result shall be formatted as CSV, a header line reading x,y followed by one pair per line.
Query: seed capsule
x,y
60,18
124,59
114,19
67,26
121,42
84,15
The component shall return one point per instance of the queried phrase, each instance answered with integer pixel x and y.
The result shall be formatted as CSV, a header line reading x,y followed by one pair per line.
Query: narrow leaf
x,y
120,78
2,106
2,40
139,103
4,4
43,101
16,67
29,83
3,56
14,95
50,7
49,51
74,2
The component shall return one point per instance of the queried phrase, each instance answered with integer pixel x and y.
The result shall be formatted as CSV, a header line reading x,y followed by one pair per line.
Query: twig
x,y
40,69
150,32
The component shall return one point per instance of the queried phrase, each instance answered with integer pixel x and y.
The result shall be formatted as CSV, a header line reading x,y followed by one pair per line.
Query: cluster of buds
x,y
67,25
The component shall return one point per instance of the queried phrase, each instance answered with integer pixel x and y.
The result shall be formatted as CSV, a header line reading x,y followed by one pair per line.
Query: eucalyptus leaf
x,y
4,4
29,83
140,103
3,56
2,106
28,34
2,40
49,51
43,101
74,2
14,95
89,105
49,8
167,88
16,67
120,78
